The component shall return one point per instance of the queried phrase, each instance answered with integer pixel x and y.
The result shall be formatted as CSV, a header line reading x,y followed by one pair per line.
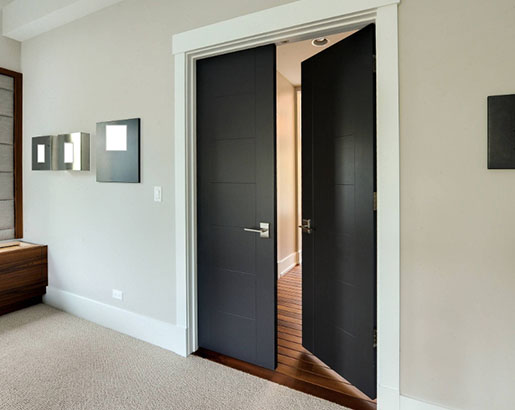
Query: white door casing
x,y
296,21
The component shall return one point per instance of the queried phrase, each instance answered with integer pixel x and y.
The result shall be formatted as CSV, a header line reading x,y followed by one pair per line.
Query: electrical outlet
x,y
157,194
117,294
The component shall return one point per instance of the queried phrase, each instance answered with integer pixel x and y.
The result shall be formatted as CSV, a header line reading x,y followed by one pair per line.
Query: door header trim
x,y
266,24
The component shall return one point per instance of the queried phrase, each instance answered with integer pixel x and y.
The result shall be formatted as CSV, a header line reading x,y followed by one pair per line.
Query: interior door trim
x,y
297,21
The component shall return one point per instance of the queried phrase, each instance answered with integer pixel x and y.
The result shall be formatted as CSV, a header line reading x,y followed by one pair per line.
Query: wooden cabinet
x,y
23,275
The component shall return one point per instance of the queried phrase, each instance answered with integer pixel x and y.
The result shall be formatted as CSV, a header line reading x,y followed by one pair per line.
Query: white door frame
x,y
295,21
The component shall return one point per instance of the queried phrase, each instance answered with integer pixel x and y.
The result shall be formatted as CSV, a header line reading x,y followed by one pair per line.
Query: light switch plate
x,y
157,194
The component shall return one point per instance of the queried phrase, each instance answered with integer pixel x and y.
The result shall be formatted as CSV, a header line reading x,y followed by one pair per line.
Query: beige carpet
x,y
52,360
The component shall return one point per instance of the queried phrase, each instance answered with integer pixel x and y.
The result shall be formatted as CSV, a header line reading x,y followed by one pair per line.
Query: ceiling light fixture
x,y
320,42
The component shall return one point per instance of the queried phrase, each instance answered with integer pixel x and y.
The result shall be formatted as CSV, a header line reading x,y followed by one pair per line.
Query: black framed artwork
x,y
501,132
118,151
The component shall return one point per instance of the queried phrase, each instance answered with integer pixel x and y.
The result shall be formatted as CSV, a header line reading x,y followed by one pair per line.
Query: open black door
x,y
236,117
338,184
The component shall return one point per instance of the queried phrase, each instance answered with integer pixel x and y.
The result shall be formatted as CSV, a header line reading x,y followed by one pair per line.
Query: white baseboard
x,y
285,264
387,398
173,337
156,332
390,399
408,403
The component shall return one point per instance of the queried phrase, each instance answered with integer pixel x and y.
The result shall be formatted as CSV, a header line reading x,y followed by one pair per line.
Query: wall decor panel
x,y
71,152
118,151
501,132
42,153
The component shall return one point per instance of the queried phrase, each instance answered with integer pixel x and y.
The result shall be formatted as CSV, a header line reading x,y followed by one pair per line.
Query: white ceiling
x,y
24,19
290,55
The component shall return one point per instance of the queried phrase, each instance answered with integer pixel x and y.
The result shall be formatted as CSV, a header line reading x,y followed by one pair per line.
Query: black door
x,y
338,160
236,194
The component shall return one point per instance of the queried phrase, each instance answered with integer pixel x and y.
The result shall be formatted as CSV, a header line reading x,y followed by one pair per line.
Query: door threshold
x,y
288,381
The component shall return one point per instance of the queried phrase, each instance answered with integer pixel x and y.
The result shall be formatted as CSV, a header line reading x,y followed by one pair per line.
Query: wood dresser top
x,y
13,246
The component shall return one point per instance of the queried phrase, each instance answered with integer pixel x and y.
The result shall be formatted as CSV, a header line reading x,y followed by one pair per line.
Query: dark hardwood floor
x,y
297,368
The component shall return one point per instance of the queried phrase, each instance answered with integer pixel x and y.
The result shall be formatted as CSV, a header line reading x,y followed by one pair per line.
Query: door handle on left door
x,y
263,230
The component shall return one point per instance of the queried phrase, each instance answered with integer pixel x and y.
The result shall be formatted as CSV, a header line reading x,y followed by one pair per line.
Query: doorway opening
x,y
293,359
294,21
298,308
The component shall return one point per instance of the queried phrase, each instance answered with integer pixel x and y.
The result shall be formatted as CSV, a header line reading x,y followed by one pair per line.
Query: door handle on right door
x,y
306,226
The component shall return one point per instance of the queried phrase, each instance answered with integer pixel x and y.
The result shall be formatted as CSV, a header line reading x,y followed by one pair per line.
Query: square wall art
x,y
501,132
71,152
118,151
42,153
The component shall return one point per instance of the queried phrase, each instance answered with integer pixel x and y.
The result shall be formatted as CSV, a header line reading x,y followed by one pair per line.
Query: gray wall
x,y
458,230
10,51
114,64
457,219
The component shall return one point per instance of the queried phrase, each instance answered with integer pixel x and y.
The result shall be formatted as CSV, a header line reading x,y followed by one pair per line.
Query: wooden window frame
x,y
18,150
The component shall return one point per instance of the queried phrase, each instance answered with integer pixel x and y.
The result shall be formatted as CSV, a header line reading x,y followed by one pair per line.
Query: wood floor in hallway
x,y
295,361
297,368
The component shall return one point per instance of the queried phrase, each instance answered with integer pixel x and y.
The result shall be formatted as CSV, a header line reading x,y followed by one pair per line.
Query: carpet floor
x,y
52,360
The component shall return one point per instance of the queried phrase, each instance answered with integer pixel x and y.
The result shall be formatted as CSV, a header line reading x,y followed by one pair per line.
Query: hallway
x,y
295,361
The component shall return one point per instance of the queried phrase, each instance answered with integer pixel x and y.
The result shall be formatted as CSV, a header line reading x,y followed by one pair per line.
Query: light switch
x,y
157,194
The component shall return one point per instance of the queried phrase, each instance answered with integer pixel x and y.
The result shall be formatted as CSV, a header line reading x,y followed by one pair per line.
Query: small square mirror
x,y
68,152
118,151
72,152
41,153
116,137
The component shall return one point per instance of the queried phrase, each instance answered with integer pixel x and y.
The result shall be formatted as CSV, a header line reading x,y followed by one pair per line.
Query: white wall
x,y
457,217
114,64
458,281
287,251
10,51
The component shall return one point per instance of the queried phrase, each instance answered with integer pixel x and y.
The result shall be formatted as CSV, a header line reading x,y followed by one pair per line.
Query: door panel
x,y
236,189
338,158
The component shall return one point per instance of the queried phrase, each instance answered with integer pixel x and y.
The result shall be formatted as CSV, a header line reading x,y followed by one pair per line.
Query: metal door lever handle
x,y
306,226
255,230
263,230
